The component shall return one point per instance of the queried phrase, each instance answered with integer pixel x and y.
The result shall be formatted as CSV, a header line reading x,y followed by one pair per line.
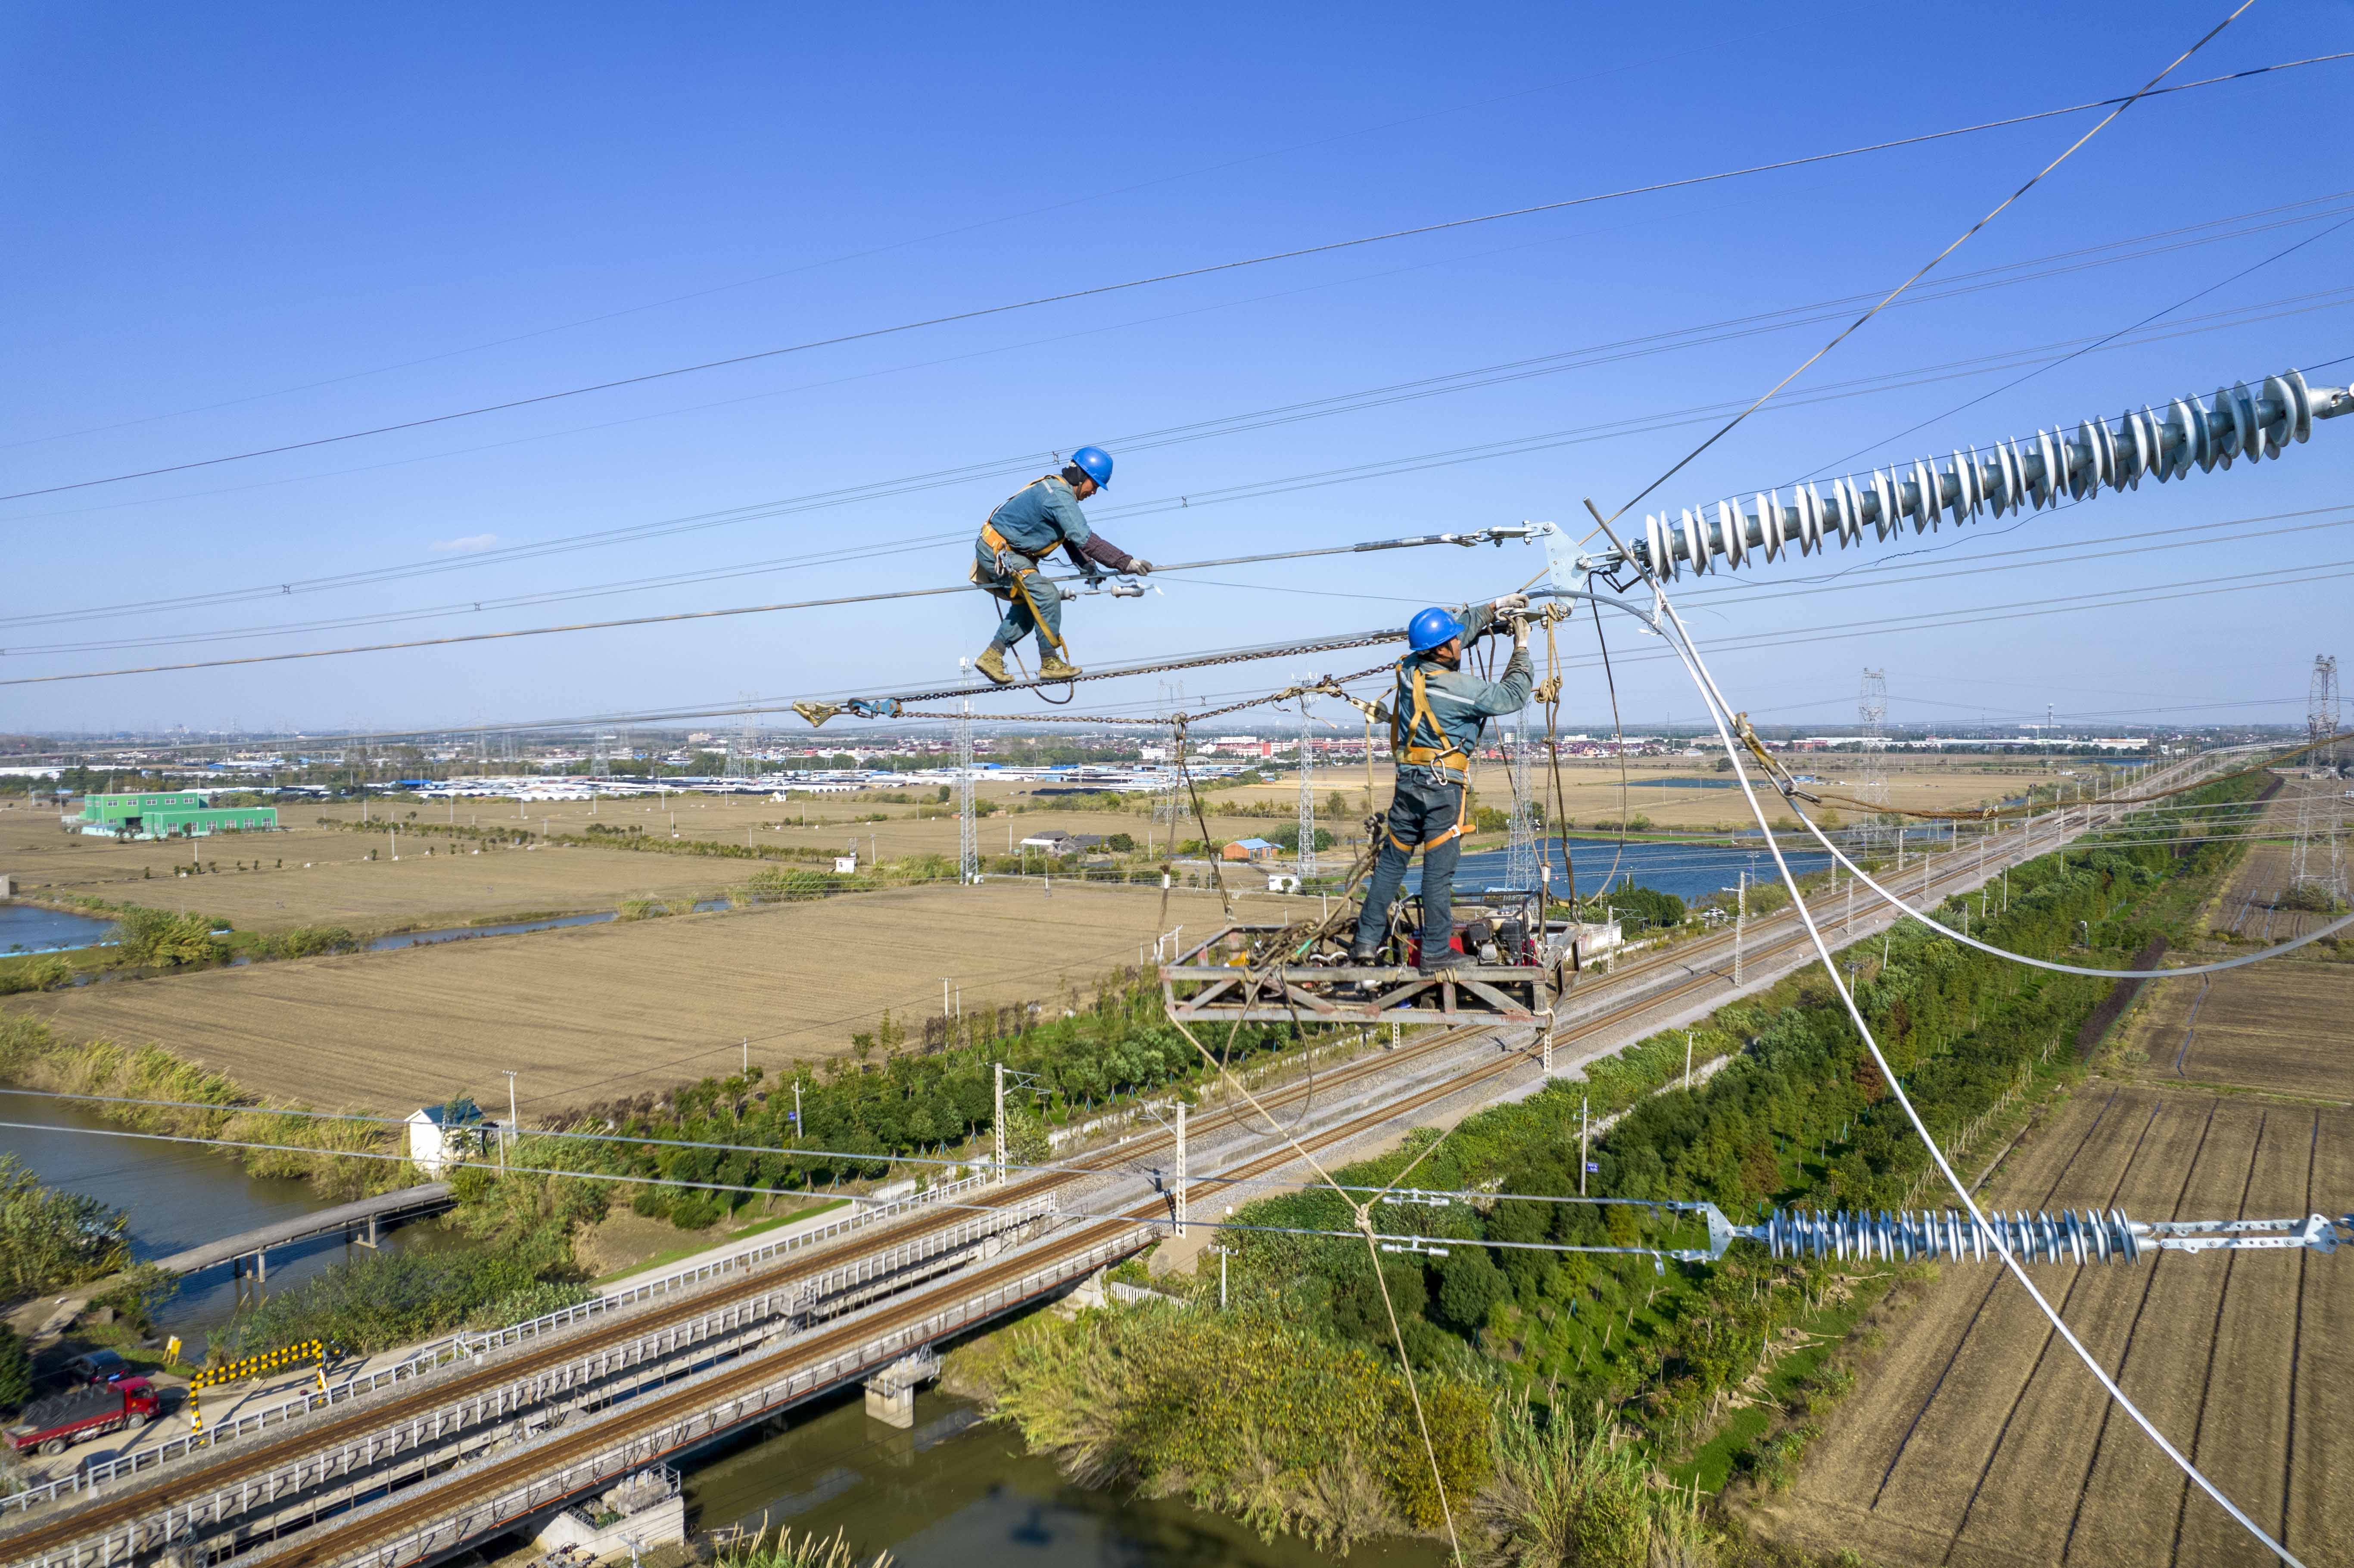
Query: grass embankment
x,y
894,1096
1698,1373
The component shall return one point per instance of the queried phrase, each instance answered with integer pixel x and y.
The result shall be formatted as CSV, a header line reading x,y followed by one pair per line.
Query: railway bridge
x,y
480,1435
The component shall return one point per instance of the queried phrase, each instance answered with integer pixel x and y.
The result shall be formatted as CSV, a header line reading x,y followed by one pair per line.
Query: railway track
x,y
487,1483
1778,937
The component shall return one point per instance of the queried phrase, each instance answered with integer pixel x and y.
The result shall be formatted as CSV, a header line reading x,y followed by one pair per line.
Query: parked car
x,y
98,1366
49,1425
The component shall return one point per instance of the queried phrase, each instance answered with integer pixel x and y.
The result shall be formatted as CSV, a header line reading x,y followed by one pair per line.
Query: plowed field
x,y
1979,1438
596,1012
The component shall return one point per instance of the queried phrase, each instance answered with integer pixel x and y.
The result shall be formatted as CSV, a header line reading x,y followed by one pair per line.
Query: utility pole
x,y
1580,1146
512,1119
1180,1173
1687,1061
997,1122
1740,920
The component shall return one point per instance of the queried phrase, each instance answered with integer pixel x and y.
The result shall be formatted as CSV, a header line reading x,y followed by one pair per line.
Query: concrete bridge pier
x,y
891,1393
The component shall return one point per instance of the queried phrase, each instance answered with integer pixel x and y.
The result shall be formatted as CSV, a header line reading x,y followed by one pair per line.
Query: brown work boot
x,y
991,663
1053,668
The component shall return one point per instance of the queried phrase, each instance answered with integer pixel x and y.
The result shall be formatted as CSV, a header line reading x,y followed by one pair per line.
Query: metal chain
x,y
892,705
1328,687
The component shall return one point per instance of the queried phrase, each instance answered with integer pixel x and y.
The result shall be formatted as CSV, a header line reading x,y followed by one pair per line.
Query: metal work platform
x,y
1266,973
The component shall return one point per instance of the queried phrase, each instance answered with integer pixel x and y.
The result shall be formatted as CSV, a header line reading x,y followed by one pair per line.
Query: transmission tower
x,y
1165,813
2322,711
967,835
1521,842
1306,792
1871,708
597,763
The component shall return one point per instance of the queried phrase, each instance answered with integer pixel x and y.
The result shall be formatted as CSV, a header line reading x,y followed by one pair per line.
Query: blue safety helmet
x,y
1095,463
1430,629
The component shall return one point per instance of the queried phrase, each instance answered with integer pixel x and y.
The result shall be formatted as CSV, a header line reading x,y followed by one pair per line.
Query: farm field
x,y
310,875
606,1011
2285,1026
1979,1439
326,878
1590,789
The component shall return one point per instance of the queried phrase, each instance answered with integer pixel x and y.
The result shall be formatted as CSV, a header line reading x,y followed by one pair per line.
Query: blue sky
x,y
235,229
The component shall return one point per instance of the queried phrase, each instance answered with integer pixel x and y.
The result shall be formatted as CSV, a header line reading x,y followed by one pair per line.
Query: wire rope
x,y
1214,268
1370,397
1718,709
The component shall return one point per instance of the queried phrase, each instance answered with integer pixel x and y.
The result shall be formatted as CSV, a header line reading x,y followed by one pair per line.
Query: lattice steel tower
x,y
1521,842
2322,709
1871,708
967,835
1307,791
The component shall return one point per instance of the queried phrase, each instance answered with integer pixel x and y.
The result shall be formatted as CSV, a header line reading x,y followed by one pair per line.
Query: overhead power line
x,y
1961,239
1469,537
2005,275
2116,104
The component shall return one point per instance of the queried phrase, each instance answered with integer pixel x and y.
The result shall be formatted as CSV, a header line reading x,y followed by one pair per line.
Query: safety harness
x,y
1003,549
1404,724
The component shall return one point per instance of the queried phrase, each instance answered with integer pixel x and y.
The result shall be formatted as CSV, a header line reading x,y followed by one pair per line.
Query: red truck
x,y
91,1411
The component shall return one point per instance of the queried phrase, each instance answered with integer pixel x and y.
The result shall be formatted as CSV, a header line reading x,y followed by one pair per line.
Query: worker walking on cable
x,y
1437,714
1028,527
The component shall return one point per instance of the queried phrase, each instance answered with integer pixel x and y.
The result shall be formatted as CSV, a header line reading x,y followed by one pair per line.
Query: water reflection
x,y
178,1195
959,1493
30,929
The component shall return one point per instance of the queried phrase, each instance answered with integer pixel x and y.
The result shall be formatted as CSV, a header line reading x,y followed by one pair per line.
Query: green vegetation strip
x,y
1712,1374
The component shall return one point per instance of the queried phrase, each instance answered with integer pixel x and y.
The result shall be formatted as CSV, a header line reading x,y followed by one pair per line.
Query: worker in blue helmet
x,y
1437,716
1028,527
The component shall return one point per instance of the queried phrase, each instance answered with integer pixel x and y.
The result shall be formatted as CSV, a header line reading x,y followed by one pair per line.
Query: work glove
x,y
1511,604
1519,635
1139,565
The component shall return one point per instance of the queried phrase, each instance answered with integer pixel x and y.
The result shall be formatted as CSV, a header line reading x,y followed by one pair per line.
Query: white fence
x,y
437,1353
403,1544
430,1440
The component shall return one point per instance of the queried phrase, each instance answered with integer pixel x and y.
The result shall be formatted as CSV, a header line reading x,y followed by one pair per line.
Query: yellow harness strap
x,y
1402,729
1404,724
998,543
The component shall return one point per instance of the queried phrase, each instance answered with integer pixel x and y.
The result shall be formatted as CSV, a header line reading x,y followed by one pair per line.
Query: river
x,y
178,1195
953,1493
956,1493
30,929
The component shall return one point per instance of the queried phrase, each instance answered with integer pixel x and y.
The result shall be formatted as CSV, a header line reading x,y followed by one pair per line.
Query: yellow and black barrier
x,y
262,1365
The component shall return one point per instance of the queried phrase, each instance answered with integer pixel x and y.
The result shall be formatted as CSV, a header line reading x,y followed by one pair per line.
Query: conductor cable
x,y
1219,267
1719,711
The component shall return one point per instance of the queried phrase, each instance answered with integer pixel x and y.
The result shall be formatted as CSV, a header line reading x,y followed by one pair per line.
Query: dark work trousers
x,y
1424,807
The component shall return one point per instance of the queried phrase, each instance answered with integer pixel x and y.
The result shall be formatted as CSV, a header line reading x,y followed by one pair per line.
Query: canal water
x,y
30,929
953,1493
958,1493
178,1195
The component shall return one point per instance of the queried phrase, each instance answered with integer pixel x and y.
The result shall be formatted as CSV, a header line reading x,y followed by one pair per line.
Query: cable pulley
x,y
2029,473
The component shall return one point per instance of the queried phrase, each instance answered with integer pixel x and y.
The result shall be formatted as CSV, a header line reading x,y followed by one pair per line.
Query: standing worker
x,y
1027,527
1435,716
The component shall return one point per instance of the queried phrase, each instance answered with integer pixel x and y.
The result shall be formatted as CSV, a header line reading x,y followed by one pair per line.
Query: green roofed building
x,y
173,814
